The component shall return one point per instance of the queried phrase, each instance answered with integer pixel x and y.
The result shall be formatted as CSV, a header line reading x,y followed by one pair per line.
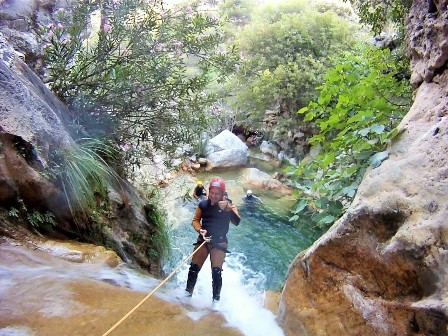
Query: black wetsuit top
x,y
199,191
216,221
251,199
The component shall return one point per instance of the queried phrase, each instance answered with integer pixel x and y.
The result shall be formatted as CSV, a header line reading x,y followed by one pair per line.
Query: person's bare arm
x,y
197,219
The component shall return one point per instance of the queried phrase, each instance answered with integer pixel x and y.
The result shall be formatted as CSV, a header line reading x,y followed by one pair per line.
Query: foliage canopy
x,y
135,70
285,51
379,13
360,103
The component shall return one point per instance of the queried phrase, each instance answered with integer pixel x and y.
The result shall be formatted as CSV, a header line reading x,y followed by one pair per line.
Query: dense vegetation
x,y
350,96
360,104
135,71
285,51
146,76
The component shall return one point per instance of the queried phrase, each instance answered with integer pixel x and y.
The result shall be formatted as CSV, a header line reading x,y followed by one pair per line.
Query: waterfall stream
x,y
262,247
69,288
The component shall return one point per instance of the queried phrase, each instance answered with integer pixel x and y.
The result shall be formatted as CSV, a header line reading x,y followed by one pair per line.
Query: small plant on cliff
x,y
34,218
159,240
39,219
360,104
83,174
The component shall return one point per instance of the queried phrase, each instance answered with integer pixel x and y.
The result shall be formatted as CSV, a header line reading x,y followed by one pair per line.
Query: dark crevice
x,y
383,226
431,322
414,325
432,7
440,70
28,152
334,266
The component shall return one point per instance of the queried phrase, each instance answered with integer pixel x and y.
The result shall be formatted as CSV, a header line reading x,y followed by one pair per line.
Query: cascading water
x,y
262,247
57,288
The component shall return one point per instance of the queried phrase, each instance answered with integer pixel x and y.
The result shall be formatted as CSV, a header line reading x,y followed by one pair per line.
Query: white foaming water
x,y
242,297
16,331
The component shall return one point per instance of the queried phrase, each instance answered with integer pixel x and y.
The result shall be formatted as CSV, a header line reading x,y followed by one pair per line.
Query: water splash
x,y
242,297
16,331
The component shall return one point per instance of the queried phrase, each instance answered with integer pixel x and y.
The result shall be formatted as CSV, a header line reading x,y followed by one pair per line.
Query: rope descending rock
x,y
155,289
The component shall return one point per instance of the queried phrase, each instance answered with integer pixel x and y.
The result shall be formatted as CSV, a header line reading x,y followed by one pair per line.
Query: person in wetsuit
x,y
212,219
199,191
250,198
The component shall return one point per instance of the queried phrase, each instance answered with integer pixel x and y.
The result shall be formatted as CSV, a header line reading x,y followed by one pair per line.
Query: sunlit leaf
x,y
375,160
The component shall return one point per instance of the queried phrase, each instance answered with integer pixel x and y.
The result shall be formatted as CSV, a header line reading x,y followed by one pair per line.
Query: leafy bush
x,y
360,103
285,51
134,70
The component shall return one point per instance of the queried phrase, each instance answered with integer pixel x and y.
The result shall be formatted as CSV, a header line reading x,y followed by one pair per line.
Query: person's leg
x,y
217,256
195,266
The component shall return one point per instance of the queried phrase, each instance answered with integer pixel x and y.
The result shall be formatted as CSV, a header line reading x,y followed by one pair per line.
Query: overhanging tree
x,y
135,71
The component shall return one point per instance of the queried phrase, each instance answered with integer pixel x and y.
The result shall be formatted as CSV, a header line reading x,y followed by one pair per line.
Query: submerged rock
x,y
257,179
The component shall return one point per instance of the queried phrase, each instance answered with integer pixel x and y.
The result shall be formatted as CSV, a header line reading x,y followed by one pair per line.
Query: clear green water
x,y
265,242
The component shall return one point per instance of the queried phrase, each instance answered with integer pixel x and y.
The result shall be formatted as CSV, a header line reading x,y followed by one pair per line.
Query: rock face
x,y
226,150
255,178
30,129
427,27
382,268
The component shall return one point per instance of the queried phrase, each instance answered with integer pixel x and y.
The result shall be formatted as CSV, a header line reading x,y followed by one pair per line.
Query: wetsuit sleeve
x,y
234,215
197,219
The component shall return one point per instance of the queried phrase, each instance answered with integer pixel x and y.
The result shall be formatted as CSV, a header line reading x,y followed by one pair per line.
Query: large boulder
x,y
253,178
381,268
226,150
30,128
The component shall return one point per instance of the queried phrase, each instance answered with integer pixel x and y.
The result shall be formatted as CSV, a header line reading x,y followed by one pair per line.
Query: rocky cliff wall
x,y
382,268
32,126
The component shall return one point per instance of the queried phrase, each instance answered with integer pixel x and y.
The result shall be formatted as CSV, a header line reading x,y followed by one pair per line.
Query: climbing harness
x,y
206,240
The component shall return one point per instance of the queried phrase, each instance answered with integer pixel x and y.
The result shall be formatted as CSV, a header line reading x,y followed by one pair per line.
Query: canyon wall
x,y
382,268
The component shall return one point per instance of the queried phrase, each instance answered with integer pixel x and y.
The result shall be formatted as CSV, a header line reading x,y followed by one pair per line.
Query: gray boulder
x,y
269,148
226,150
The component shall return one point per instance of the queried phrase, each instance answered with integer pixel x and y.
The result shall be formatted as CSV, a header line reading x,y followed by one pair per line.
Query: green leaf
x,y
294,218
349,191
376,159
364,131
303,110
327,159
327,219
335,207
343,100
300,206
309,116
378,129
322,202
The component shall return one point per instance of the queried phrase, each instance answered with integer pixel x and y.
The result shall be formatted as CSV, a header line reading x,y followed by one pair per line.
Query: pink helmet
x,y
219,183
